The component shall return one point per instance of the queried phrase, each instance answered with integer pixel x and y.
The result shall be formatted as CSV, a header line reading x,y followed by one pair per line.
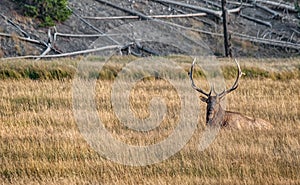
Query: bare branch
x,y
22,38
213,3
193,7
57,34
278,5
152,16
235,35
15,25
274,13
256,20
217,14
271,42
184,12
239,3
132,12
51,40
92,26
66,54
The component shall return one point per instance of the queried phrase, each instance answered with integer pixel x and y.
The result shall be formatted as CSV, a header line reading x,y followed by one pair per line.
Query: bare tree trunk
x,y
225,30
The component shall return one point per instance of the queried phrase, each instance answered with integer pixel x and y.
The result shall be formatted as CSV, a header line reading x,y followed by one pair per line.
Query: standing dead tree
x,y
225,30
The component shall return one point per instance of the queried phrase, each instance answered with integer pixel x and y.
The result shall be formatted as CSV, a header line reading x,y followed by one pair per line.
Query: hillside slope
x,y
244,31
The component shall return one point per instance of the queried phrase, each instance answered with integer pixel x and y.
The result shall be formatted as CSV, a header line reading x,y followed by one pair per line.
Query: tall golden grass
x,y
40,142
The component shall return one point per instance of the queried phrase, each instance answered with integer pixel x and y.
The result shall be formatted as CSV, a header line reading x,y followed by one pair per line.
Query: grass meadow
x,y
40,142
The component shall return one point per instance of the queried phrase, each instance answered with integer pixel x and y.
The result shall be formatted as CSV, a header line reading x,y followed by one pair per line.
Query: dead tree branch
x,y
25,34
217,14
67,54
152,16
22,38
256,20
57,34
239,3
184,12
51,40
278,5
132,12
123,9
34,41
270,42
275,14
213,4
92,26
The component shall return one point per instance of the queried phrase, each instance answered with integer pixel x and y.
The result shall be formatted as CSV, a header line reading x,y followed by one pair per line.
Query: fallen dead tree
x,y
152,16
51,41
217,14
270,42
234,35
275,14
27,36
132,12
285,37
278,5
256,20
239,3
21,38
57,34
92,26
117,47
180,11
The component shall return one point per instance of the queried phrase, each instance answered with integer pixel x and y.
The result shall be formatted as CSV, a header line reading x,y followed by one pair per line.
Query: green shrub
x,y
48,11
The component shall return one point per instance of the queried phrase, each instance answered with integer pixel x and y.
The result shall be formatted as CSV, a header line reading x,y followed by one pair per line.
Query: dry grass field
x,y
40,142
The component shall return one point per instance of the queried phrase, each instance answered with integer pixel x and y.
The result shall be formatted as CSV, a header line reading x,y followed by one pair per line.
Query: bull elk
x,y
217,116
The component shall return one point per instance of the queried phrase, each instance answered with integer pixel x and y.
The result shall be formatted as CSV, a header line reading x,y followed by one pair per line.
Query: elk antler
x,y
193,84
235,85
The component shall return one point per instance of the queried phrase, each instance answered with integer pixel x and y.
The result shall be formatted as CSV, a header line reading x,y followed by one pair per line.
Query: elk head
x,y
214,111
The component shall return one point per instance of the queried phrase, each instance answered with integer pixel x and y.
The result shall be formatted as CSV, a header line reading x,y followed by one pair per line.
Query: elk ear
x,y
202,98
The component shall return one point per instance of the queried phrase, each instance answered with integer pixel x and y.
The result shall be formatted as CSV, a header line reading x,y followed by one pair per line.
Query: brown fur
x,y
234,120
217,116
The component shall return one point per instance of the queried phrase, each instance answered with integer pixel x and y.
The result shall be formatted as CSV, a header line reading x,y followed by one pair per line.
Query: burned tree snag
x,y
225,30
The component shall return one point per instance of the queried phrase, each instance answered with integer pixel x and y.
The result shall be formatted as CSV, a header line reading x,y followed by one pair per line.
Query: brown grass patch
x,y
40,141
